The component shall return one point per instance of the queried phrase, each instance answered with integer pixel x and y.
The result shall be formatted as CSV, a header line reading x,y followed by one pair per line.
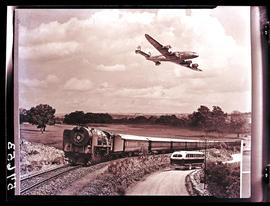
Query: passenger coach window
x,y
177,155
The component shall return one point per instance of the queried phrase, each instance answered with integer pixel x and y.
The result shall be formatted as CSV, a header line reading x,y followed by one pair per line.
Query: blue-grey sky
x,y
85,60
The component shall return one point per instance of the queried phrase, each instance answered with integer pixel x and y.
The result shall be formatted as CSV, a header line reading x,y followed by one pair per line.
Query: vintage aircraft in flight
x,y
180,58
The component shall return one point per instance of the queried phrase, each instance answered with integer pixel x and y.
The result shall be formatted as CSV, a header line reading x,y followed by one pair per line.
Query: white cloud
x,y
47,51
117,67
34,83
78,84
118,17
150,92
104,85
50,79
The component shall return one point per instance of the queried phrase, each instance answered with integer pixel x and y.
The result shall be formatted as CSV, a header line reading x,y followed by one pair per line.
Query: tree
x,y
238,122
152,119
140,119
218,118
41,115
170,120
209,121
201,118
23,115
76,118
79,118
97,118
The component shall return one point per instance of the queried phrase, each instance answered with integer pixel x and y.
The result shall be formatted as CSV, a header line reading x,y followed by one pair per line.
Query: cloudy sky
x,y
80,59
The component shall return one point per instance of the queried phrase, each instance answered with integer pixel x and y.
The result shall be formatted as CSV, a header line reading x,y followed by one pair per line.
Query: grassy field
x,y
54,134
51,137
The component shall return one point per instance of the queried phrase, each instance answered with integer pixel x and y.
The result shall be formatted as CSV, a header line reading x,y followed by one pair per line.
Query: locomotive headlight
x,y
78,137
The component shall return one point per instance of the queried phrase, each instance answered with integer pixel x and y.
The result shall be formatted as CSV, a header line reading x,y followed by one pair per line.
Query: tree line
x,y
79,118
215,120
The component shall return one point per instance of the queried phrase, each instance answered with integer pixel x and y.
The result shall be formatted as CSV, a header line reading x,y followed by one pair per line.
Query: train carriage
x,y
191,145
159,144
179,145
118,144
134,144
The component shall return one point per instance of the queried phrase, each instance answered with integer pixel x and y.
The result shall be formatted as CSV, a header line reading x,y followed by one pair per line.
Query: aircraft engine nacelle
x,y
195,65
157,63
167,47
188,62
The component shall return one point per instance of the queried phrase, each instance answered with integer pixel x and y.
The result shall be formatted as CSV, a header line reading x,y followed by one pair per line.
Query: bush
x,y
223,179
125,171
214,154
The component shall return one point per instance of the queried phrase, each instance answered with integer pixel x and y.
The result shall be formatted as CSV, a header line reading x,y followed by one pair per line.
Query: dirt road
x,y
171,182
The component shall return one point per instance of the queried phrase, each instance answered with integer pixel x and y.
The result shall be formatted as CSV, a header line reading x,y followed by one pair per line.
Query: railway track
x,y
32,181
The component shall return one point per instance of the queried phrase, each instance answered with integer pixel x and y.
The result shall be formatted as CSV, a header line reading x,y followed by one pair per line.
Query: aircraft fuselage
x,y
176,57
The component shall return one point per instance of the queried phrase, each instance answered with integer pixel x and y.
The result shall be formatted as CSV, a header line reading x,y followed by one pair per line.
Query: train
x,y
86,145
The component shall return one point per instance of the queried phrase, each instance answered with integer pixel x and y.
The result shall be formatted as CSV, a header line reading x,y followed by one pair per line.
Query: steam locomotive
x,y
84,145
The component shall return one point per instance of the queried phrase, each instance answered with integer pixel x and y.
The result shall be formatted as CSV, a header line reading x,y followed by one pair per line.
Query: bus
x,y
187,159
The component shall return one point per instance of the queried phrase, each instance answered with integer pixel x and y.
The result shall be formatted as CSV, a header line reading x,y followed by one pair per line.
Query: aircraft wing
x,y
142,53
158,46
190,67
195,69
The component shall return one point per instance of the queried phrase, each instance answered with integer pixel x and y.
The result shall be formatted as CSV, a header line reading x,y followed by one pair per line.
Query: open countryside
x,y
39,125
53,136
